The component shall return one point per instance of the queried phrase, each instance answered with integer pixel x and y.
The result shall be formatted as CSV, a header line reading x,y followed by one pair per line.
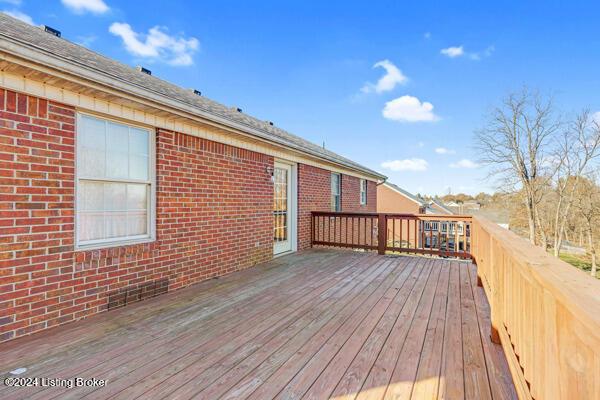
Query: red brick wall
x,y
36,214
351,195
214,212
213,217
371,196
390,201
314,194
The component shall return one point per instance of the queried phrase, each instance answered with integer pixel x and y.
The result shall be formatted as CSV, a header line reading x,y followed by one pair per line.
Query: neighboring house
x,y
393,199
444,234
467,207
437,207
115,184
471,205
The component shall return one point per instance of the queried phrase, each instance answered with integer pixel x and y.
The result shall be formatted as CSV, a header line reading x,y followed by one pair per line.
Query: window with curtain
x,y
336,190
114,186
363,192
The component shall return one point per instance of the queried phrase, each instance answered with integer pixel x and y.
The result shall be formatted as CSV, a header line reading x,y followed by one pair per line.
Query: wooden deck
x,y
317,324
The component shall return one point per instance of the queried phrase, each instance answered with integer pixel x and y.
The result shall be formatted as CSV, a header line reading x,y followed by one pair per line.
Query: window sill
x,y
109,245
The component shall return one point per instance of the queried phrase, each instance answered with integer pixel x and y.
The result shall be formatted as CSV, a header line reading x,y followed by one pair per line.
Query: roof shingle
x,y
36,38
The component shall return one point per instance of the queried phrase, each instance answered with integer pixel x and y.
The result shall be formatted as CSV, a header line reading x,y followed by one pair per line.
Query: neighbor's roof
x,y
34,38
405,193
441,206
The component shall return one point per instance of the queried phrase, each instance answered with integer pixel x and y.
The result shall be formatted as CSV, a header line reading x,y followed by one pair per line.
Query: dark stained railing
x,y
442,235
351,230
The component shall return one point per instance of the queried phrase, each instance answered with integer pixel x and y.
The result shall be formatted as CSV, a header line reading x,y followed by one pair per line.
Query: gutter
x,y
30,53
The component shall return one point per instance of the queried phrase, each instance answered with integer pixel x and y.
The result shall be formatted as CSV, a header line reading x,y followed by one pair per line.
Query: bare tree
x,y
544,213
516,143
578,146
587,204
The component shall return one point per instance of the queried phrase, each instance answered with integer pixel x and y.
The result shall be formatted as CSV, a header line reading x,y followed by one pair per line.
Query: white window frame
x,y
431,226
339,192
363,192
151,215
444,227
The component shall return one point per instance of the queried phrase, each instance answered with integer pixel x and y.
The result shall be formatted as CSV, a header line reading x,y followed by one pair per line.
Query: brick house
x,y
114,183
392,198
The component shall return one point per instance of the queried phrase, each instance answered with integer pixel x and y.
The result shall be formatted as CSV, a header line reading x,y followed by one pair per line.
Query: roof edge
x,y
391,186
31,54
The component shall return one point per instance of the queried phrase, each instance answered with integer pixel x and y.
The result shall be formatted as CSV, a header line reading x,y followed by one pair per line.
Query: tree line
x,y
548,161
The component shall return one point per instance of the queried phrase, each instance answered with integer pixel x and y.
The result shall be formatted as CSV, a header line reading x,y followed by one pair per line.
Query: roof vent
x,y
51,31
197,92
143,70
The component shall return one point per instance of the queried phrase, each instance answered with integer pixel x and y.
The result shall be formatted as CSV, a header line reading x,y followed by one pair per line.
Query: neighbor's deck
x,y
317,324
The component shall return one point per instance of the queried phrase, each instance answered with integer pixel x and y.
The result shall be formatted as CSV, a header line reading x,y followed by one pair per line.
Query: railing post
x,y
381,234
493,266
312,229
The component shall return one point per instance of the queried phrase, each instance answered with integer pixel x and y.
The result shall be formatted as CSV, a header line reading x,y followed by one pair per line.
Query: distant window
x,y
431,226
363,192
115,183
336,190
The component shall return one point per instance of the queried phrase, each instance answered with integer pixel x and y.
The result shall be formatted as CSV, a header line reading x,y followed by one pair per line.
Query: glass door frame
x,y
292,216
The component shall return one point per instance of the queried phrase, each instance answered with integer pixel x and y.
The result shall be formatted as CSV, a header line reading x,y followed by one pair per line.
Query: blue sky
x,y
316,68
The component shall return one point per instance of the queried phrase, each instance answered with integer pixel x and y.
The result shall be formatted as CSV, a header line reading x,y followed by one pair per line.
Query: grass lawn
x,y
580,261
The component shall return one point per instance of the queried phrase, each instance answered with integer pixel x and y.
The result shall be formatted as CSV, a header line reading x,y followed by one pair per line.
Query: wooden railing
x,y
545,313
443,235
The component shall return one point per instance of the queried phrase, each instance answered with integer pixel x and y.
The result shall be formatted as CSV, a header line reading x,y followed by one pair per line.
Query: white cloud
x,y
20,15
459,51
13,2
464,163
82,6
427,35
443,150
393,77
409,109
409,164
157,44
453,52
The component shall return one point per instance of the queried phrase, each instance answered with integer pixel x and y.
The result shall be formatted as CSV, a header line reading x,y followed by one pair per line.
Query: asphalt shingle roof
x,y
35,38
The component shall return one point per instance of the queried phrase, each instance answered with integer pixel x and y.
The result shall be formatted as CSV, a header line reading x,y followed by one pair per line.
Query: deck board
x,y
477,385
427,380
314,325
